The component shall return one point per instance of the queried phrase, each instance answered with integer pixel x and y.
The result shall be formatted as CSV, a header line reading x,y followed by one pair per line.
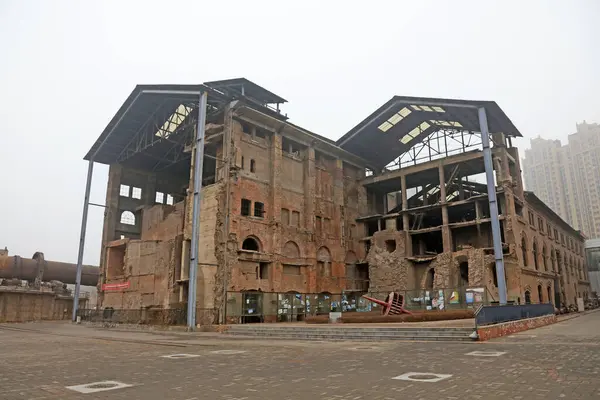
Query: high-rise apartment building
x,y
567,178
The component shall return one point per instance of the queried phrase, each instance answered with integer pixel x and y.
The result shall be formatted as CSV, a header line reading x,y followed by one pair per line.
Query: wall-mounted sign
x,y
113,287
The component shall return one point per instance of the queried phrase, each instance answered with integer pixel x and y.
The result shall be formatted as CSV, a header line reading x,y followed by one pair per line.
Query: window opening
x,y
124,191
259,209
246,205
127,218
250,244
136,193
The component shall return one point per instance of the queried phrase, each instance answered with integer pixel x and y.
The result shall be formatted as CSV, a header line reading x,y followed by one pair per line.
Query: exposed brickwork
x,y
507,328
289,212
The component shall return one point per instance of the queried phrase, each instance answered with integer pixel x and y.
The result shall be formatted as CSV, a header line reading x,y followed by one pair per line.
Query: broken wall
x,y
149,268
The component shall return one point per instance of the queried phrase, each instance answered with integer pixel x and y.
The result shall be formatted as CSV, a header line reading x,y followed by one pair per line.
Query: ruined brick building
x,y
395,204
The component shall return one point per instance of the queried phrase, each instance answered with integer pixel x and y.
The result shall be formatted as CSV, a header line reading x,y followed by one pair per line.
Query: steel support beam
x,y
491,189
86,206
198,161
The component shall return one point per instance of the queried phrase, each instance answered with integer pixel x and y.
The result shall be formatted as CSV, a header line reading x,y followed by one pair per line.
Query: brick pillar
x,y
275,208
339,222
338,267
446,235
405,219
111,216
309,212
309,189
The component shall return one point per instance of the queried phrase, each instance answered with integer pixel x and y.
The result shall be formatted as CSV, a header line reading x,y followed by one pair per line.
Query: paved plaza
x,y
50,360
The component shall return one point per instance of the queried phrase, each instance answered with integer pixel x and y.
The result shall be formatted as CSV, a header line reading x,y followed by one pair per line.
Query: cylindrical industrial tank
x,y
28,269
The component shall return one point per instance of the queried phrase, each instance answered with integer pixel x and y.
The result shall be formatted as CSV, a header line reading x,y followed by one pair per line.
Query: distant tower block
x,y
393,304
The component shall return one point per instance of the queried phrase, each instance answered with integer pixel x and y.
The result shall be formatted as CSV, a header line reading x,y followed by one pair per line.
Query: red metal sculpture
x,y
393,304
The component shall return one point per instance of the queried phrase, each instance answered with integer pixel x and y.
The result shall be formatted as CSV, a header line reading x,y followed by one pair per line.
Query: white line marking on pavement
x,y
422,377
227,352
486,353
98,386
177,356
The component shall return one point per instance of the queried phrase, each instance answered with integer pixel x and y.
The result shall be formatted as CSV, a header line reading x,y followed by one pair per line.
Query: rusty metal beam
x,y
38,269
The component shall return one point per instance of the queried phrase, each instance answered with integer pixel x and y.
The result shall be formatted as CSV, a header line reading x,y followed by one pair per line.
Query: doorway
x,y
252,307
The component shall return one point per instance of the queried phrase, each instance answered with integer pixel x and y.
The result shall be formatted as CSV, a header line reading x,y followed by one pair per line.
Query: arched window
x,y
463,270
527,297
127,218
252,166
291,250
524,250
540,294
549,290
535,255
430,279
572,266
251,244
544,258
324,261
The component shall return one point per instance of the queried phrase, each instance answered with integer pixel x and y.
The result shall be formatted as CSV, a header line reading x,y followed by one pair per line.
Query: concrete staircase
x,y
325,332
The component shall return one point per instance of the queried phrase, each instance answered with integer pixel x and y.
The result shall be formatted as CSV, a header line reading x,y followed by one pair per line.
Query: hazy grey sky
x,y
66,67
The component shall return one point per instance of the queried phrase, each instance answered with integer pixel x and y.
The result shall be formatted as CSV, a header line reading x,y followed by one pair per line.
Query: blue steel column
x,y
198,160
491,189
86,205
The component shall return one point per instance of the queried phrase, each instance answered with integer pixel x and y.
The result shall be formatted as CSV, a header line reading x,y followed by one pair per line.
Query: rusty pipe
x,y
37,268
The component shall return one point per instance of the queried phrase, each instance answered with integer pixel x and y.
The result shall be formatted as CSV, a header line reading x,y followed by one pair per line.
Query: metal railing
x,y
161,316
175,316
254,306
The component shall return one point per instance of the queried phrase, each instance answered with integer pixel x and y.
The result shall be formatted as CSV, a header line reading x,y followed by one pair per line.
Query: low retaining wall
x,y
493,331
24,306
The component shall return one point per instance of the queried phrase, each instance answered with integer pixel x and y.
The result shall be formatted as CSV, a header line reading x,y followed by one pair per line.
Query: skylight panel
x,y
173,122
385,126
428,108
394,119
415,132
455,124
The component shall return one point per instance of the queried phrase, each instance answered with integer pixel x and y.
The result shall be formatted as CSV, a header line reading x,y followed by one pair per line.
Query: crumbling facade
x,y
284,210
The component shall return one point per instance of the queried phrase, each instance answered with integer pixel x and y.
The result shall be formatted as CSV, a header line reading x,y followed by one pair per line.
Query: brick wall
x,y
508,328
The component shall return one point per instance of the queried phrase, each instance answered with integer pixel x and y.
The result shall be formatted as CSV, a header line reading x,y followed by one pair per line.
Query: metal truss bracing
x,y
438,144
174,129
158,127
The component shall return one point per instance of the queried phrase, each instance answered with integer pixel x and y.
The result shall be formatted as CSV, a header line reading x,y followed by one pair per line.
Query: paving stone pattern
x,y
38,361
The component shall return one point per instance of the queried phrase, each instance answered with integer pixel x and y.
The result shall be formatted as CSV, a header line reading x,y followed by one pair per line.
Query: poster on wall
x,y
474,295
470,297
454,297
440,300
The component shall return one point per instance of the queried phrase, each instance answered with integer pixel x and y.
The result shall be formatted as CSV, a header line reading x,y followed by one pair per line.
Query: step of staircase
x,y
350,333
